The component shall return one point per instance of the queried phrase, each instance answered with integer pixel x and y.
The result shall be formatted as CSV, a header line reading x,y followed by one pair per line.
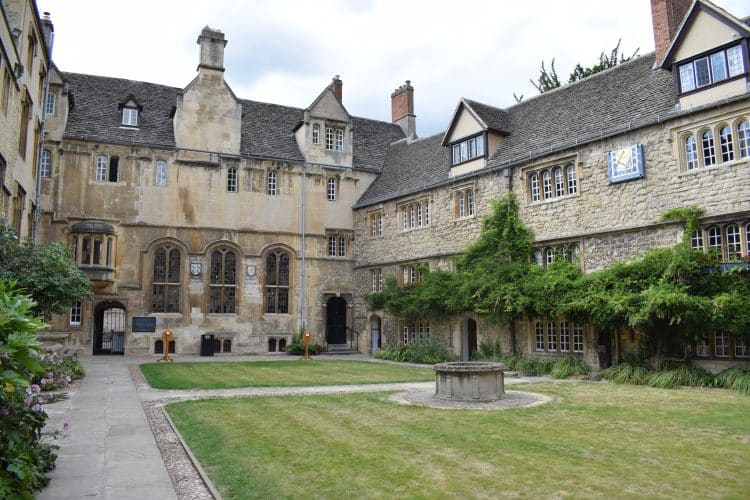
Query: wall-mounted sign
x,y
626,164
144,324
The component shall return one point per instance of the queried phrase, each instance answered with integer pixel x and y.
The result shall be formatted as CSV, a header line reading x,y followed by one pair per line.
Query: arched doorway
x,y
336,321
109,328
468,339
375,342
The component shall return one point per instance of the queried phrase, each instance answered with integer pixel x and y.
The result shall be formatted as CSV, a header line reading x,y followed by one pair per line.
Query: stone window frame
x,y
545,255
107,168
711,145
45,163
75,314
731,348
329,138
224,265
50,103
272,183
338,243
232,180
160,173
716,240
280,286
376,279
410,274
375,223
96,249
339,140
464,202
567,336
316,134
332,186
170,287
553,181
415,332
409,214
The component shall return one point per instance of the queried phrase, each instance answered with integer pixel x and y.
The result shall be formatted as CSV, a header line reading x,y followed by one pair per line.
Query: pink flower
x,y
36,407
66,427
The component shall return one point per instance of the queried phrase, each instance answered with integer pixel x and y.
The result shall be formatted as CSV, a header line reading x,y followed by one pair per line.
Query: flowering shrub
x,y
57,372
24,457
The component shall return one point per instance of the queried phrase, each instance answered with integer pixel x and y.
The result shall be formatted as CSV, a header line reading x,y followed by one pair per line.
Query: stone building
x,y
25,42
199,212
593,165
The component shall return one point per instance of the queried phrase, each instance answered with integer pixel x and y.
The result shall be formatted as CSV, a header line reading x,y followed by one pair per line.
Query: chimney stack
x,y
212,43
337,85
402,110
667,15
48,31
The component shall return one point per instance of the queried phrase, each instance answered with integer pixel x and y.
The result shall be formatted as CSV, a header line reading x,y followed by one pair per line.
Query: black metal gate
x,y
109,330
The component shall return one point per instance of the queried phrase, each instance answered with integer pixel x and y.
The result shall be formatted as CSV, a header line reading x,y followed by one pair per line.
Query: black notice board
x,y
144,324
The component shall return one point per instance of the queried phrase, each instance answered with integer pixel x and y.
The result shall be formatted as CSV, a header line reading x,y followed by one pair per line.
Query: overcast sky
x,y
286,52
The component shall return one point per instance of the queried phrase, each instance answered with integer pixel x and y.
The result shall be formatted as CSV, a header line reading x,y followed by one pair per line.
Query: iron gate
x,y
109,334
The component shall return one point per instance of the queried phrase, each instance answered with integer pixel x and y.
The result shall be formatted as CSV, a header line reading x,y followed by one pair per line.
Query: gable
x,y
464,124
328,107
706,32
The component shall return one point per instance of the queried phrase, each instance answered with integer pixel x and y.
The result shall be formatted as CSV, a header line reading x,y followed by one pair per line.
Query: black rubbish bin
x,y
207,344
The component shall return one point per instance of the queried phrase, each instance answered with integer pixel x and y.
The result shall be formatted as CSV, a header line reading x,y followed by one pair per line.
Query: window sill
x,y
465,217
224,314
553,200
729,164
165,314
413,229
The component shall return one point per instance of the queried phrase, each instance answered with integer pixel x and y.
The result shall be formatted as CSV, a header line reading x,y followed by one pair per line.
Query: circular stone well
x,y
470,381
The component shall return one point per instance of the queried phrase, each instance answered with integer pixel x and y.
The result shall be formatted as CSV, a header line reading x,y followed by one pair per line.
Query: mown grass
x,y
282,373
595,439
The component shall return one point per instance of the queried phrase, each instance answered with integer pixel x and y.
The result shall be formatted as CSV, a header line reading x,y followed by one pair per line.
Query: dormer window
x,y
467,149
130,117
712,68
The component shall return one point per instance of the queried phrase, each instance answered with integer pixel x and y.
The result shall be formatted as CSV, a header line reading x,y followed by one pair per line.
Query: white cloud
x,y
287,51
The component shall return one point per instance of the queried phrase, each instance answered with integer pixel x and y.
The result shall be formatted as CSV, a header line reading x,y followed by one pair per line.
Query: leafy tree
x,y
44,271
548,79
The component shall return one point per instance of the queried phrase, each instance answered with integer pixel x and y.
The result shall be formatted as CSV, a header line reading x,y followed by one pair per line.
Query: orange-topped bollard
x,y
307,338
166,338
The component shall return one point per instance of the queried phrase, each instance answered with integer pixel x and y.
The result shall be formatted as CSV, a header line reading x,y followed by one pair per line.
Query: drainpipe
x,y
303,198
42,134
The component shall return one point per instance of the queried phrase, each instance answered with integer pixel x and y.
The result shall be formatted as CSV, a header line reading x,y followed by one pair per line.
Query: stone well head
x,y
473,381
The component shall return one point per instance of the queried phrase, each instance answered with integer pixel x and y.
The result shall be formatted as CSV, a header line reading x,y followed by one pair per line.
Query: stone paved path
x,y
121,446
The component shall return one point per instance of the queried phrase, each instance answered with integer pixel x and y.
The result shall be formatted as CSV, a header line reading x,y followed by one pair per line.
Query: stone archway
x,y
109,328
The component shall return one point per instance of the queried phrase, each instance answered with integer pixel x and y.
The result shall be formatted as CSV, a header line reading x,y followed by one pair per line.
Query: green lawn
x,y
594,440
286,373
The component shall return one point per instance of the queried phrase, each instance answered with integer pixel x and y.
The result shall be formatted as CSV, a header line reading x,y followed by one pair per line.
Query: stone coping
x,y
469,366
511,399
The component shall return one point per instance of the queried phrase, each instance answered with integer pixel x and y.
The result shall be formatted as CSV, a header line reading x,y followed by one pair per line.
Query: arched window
x,y
419,214
743,137
696,240
161,173
547,185
559,185
165,282
538,257
734,245
277,282
223,286
726,143
316,134
709,152
461,204
534,187
691,152
714,242
469,202
572,183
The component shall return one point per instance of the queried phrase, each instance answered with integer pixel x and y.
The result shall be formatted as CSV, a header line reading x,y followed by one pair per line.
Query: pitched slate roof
x,y
96,117
409,167
495,118
623,97
627,96
267,129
